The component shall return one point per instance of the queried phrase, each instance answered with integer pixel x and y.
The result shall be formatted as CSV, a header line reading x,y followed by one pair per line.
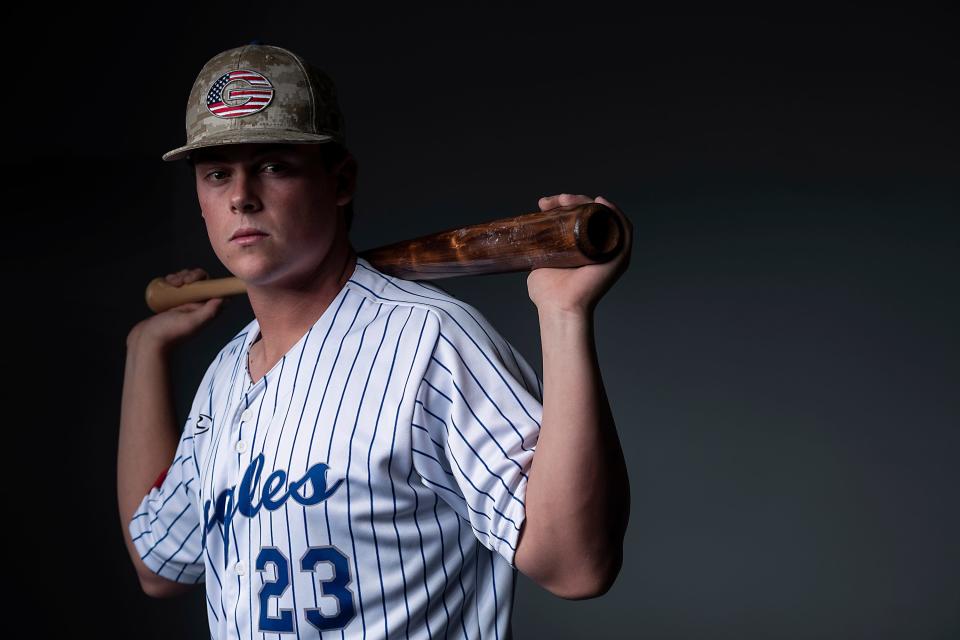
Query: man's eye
x,y
276,165
212,175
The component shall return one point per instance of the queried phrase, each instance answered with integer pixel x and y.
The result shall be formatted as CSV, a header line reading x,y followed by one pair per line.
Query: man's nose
x,y
243,196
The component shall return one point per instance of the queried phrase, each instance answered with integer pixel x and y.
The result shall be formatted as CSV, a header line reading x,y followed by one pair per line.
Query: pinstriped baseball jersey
x,y
370,485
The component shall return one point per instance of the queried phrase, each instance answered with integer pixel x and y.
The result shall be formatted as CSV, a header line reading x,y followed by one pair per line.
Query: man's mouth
x,y
247,232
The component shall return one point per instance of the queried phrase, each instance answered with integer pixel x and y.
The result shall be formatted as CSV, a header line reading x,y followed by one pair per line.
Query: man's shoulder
x,y
427,295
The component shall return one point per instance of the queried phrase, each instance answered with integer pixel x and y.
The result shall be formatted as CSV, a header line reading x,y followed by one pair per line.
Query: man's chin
x,y
253,275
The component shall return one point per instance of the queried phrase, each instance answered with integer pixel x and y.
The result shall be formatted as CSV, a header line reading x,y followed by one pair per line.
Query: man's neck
x,y
285,314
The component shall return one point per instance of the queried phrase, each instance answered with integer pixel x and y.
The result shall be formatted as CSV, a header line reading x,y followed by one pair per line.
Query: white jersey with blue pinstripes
x,y
370,485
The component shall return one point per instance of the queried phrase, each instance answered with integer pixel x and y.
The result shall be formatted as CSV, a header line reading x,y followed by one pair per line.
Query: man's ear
x,y
346,171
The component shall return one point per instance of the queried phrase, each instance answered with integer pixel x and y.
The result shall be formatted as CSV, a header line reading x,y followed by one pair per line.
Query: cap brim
x,y
247,136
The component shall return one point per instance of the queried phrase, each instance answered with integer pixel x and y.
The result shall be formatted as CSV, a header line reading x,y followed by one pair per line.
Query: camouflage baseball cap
x,y
260,93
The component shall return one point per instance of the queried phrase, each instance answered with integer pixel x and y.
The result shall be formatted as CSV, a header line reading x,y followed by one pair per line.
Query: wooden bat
x,y
568,236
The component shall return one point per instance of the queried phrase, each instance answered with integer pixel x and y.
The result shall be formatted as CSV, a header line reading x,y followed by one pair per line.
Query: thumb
x,y
212,306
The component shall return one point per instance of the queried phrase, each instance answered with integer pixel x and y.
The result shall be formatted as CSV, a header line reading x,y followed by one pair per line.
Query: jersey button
x,y
240,569
241,446
245,416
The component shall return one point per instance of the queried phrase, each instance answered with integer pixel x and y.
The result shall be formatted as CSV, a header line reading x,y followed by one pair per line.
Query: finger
x,y
562,200
607,203
612,205
194,275
547,202
213,305
568,199
176,278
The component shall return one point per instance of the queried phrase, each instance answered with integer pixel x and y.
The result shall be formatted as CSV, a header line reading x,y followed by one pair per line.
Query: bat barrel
x,y
569,236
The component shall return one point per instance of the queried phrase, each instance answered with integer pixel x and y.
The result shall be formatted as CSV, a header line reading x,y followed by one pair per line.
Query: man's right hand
x,y
169,327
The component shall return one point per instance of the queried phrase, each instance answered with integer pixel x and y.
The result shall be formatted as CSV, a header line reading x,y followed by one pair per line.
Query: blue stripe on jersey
x,y
256,430
289,397
211,608
434,458
236,544
286,511
393,488
431,385
336,419
427,431
353,539
463,591
423,557
196,559
446,488
443,563
376,423
376,545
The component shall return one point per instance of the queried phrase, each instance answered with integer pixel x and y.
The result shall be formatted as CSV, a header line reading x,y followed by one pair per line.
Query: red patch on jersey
x,y
159,481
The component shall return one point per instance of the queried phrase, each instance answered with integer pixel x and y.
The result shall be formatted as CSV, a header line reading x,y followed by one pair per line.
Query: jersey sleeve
x,y
166,528
475,427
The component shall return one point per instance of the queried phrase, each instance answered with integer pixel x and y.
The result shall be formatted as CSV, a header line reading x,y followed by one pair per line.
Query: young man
x,y
368,455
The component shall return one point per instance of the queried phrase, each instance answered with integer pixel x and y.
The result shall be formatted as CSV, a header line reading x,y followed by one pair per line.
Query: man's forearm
x,y
577,498
148,431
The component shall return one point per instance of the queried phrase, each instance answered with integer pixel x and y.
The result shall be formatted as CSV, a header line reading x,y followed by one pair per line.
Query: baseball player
x,y
368,456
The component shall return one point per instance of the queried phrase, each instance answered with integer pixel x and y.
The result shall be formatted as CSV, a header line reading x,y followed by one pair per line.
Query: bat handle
x,y
161,295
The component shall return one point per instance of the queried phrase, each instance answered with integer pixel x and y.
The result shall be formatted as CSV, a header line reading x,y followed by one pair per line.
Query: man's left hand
x,y
578,289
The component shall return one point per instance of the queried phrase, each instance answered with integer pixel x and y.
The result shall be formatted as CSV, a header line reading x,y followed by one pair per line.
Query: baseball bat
x,y
568,236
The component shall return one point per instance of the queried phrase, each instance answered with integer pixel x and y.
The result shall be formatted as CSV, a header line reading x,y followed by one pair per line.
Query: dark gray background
x,y
781,357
